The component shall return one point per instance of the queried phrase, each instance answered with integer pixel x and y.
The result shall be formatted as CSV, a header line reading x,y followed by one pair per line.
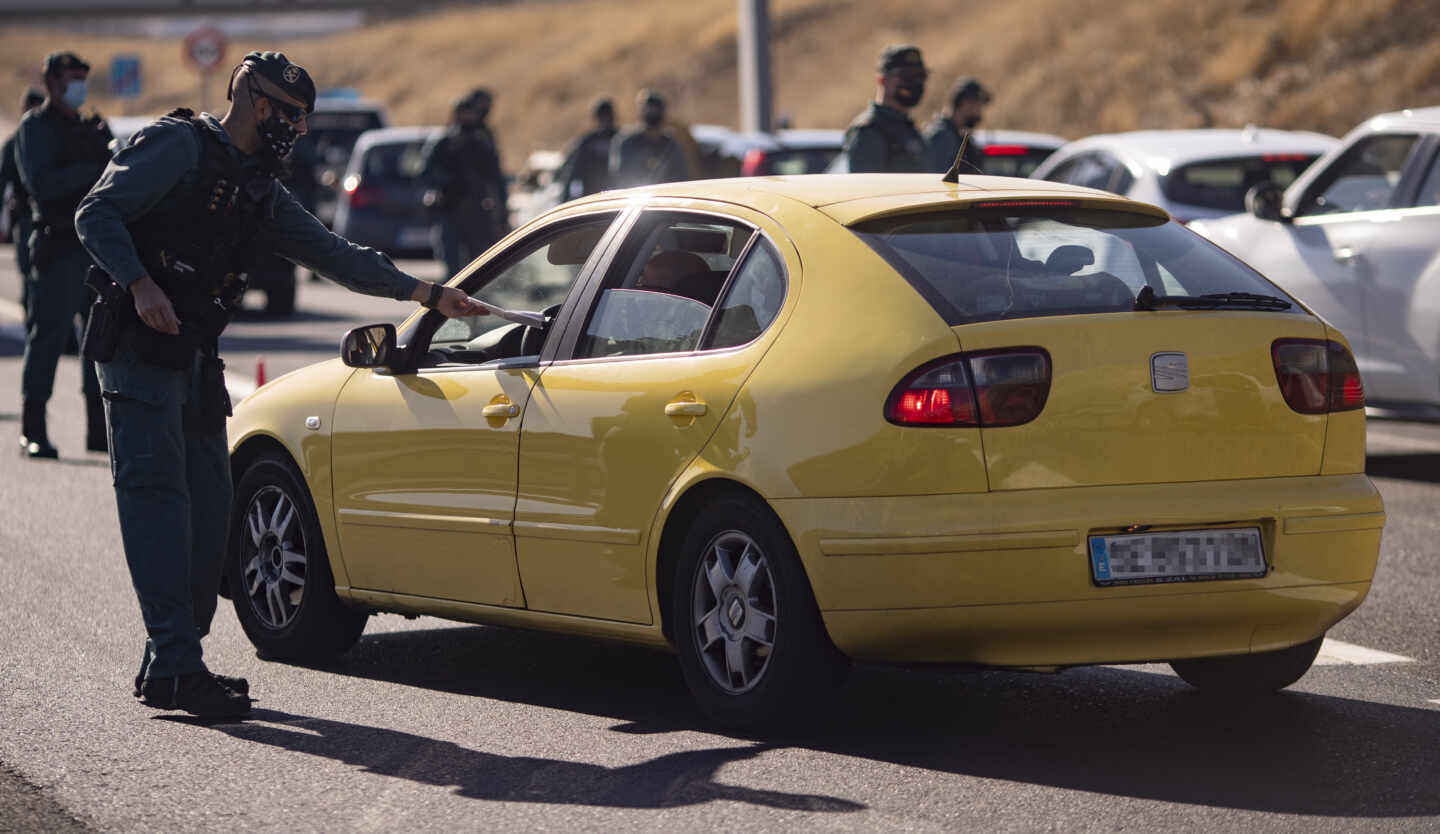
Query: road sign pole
x,y
756,86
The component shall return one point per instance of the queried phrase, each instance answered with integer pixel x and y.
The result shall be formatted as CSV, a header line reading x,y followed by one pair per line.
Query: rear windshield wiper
x,y
1146,299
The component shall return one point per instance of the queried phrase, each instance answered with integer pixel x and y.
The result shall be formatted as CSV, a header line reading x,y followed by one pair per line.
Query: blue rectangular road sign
x,y
125,76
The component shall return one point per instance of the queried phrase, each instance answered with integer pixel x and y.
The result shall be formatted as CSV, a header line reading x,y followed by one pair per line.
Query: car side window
x,y
1429,193
662,286
753,299
535,276
1363,178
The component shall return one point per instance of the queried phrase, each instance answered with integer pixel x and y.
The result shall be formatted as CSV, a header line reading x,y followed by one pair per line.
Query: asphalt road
x,y
430,725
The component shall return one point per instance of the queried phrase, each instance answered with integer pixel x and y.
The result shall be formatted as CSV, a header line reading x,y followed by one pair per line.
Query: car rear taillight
x,y
1317,376
1006,150
363,196
984,389
754,164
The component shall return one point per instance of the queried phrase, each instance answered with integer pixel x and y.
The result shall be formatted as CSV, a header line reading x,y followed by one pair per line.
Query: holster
x,y
209,402
103,324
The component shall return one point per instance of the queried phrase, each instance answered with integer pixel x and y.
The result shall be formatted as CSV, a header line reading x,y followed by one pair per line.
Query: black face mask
x,y
277,141
971,121
653,118
910,94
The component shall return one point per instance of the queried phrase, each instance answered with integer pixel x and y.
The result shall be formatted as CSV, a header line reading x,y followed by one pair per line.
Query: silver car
x,y
1357,238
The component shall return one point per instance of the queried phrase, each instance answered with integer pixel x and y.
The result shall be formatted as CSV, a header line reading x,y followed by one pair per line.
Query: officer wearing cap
x,y
468,193
17,201
174,220
964,109
59,155
647,153
586,169
883,139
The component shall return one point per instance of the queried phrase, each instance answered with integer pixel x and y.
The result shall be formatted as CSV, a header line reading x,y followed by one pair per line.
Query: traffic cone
x,y
259,371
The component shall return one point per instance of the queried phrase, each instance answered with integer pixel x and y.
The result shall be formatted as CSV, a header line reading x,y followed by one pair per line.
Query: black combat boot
x,y
33,441
97,438
197,693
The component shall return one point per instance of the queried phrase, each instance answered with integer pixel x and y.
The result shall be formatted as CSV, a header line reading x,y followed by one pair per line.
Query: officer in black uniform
x,y
174,222
883,139
964,109
648,152
17,201
586,169
59,156
468,193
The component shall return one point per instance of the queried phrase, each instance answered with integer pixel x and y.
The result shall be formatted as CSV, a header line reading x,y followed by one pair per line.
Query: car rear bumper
x,y
1005,578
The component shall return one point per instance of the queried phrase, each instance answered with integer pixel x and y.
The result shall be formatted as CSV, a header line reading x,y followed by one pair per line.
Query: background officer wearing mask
x,y
174,221
467,188
883,139
17,201
587,166
945,133
59,155
647,153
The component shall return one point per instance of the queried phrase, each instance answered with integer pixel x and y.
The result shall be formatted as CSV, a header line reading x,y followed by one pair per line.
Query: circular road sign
x,y
205,49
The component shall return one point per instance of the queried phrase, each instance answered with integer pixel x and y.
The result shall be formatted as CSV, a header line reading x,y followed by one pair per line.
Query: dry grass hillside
x,y
1073,68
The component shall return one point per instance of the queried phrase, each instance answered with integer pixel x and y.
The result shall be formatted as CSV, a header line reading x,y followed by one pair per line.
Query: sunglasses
x,y
292,112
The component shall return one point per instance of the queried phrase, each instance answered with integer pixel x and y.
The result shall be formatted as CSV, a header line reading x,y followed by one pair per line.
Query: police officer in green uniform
x,y
468,193
173,222
586,169
964,108
647,153
883,139
17,201
59,156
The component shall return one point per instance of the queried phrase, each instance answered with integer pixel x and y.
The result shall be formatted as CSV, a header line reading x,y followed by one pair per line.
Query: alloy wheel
x,y
274,560
734,612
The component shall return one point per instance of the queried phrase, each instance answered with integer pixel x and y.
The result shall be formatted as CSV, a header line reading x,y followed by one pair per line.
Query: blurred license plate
x,y
1177,556
414,237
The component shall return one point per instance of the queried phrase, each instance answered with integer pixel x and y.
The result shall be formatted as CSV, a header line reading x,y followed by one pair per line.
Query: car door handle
x,y
502,410
1346,254
681,408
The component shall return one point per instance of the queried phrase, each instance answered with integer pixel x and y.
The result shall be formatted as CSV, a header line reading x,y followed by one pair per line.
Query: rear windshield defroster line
x,y
1021,259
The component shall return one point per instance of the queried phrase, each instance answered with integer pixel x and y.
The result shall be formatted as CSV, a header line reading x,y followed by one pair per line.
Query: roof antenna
x,y
953,175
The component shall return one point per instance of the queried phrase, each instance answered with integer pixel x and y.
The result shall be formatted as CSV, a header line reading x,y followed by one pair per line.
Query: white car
x,y
1004,153
1189,173
1357,239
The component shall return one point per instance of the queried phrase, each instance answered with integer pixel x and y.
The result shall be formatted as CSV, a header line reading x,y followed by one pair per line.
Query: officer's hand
x,y
454,303
154,306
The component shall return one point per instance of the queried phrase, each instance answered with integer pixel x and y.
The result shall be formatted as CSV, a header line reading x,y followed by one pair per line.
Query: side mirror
x,y
371,346
1264,200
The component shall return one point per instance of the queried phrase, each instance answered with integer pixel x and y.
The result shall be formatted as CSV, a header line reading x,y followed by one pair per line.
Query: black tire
x,y
280,298
767,684
264,574
1249,674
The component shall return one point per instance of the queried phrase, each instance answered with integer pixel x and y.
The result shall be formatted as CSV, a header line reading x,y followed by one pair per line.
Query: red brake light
x,y
1006,150
1285,157
754,164
363,196
984,389
1023,203
1317,376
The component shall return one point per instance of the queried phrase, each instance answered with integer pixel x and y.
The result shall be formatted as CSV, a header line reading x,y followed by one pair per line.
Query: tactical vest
x,y
81,140
199,240
904,149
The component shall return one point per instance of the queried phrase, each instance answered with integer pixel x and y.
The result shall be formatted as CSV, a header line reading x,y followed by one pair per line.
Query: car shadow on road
x,y
1423,467
670,781
1113,731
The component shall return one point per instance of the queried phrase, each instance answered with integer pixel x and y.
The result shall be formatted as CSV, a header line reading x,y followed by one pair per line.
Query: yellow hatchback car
x,y
776,424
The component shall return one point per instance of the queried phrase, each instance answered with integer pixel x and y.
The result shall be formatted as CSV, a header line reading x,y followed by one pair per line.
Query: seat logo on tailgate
x,y
1169,372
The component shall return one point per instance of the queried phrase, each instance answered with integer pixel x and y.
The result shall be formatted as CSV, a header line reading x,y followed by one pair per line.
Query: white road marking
x,y
1336,653
1332,653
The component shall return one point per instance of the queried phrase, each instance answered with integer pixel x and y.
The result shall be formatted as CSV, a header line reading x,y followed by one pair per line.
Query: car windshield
x,y
1222,183
393,161
1052,257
